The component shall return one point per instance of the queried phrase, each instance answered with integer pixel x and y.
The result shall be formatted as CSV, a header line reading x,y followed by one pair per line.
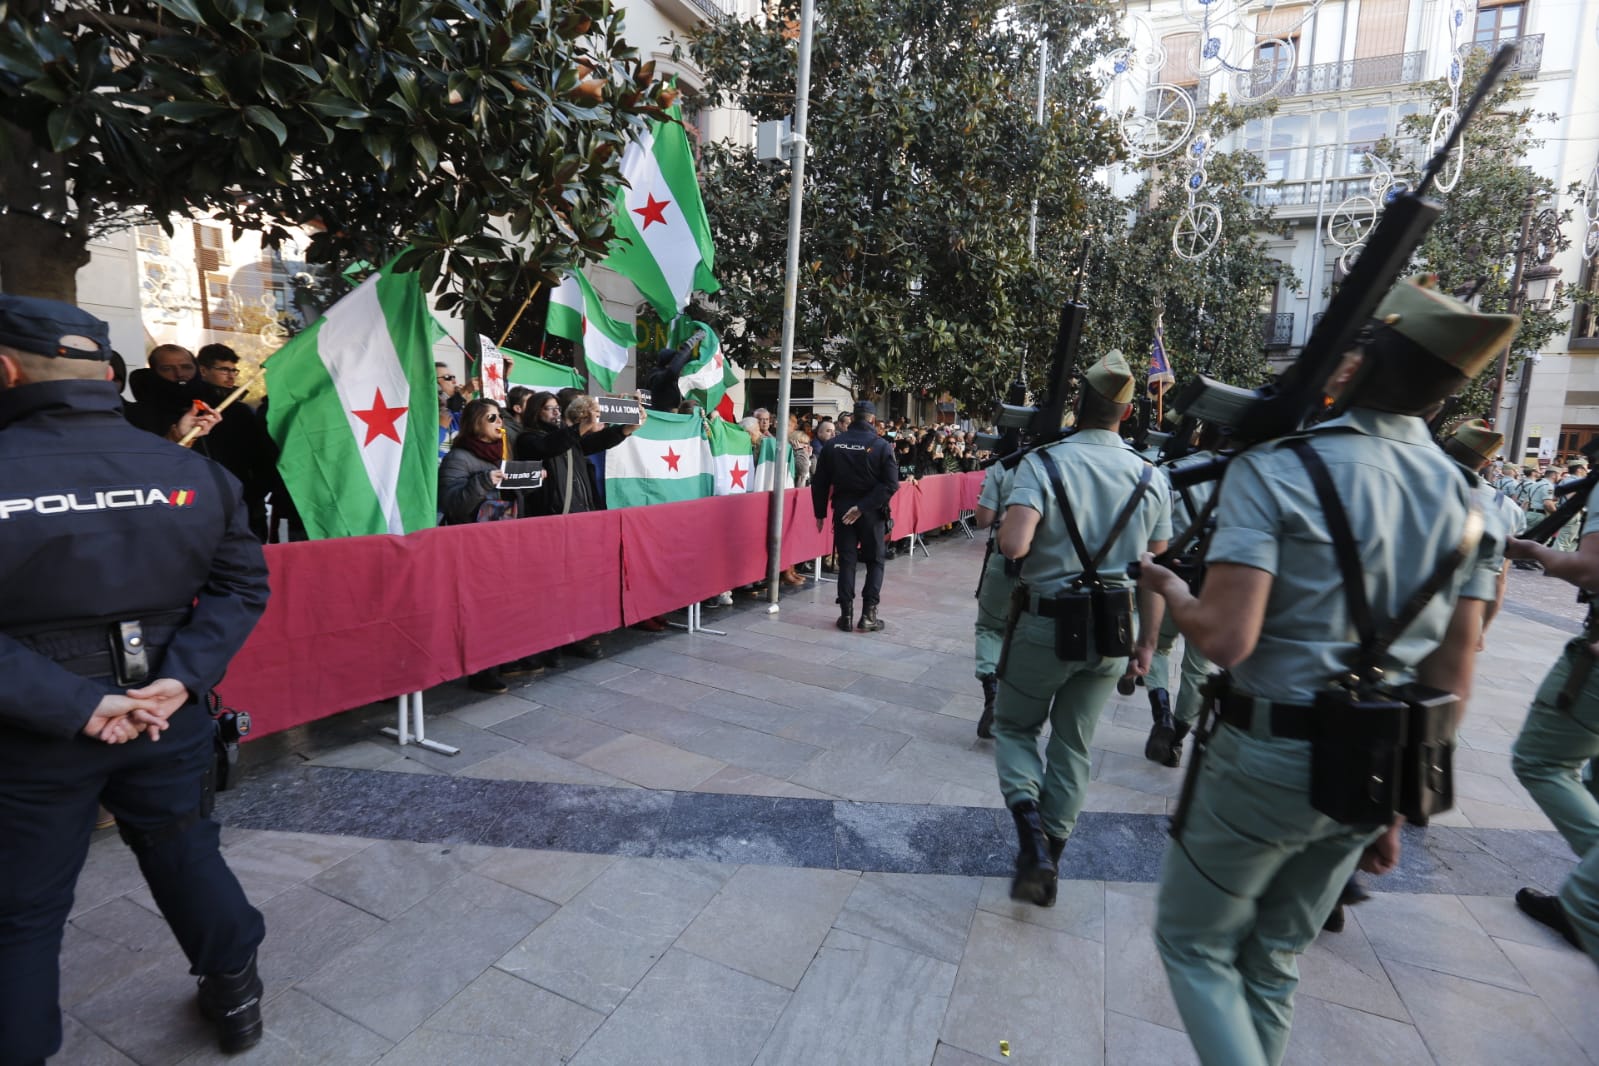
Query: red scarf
x,y
487,450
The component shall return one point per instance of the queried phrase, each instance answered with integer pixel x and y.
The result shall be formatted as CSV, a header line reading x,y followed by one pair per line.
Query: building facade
x,y
1346,74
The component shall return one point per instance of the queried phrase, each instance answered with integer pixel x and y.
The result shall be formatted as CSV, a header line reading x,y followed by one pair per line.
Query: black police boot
x,y
1158,747
232,1002
869,622
985,724
846,615
1542,907
1035,866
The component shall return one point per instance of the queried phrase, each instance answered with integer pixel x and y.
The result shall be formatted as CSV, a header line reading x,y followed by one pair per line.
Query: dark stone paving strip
x,y
820,834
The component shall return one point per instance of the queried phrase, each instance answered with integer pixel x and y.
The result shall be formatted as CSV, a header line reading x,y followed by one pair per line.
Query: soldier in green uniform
x,y
1509,481
1172,725
1469,445
1559,738
1566,539
1069,630
993,592
1254,869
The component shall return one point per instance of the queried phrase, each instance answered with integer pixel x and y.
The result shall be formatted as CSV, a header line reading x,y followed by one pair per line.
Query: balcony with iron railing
x,y
1372,72
1277,330
1528,57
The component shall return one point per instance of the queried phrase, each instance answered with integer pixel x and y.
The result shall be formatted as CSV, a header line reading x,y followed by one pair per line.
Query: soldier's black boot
x,y
232,1002
1353,892
869,622
1035,867
985,724
846,615
1542,907
1158,747
1056,847
1174,757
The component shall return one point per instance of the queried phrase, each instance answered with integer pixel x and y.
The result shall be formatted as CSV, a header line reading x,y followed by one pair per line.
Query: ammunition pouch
x,y
1091,606
1113,621
1373,754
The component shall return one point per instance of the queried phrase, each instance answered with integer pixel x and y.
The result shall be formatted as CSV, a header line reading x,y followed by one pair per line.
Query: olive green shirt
x,y
1407,503
1100,472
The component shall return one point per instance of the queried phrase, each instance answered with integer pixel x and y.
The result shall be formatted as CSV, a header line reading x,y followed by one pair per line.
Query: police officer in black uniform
x,y
131,578
858,468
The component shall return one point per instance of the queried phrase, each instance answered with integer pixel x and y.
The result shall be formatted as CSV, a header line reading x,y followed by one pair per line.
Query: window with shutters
x,y
1585,312
1182,59
1380,30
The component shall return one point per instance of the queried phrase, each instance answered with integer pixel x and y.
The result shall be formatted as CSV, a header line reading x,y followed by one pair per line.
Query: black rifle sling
x,y
1091,563
1374,645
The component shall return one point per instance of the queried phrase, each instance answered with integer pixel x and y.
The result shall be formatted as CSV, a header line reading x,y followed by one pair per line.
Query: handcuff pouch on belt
x,y
1092,608
1378,749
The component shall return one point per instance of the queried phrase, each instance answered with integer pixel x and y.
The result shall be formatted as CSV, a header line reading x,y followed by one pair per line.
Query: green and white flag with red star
x,y
663,239
706,379
664,461
354,411
732,457
577,314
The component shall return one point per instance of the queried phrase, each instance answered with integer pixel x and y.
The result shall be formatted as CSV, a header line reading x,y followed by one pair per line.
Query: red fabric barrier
x,y
971,486
361,619
938,501
676,553
801,539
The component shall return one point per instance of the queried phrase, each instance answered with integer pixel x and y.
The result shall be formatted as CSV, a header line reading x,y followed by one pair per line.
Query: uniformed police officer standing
x,y
993,591
1255,869
858,469
131,578
1056,665
1559,738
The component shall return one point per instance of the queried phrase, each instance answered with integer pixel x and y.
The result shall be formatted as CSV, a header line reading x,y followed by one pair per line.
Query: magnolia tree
x,y
481,135
925,157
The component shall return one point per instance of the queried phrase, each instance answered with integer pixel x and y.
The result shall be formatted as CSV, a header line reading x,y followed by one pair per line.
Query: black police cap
x,y
52,328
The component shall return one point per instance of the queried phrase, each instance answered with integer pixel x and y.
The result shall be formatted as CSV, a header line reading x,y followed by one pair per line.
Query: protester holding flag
x,y
569,484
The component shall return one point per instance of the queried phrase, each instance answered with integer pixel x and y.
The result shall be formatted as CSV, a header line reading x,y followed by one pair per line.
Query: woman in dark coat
x,y
470,473
569,484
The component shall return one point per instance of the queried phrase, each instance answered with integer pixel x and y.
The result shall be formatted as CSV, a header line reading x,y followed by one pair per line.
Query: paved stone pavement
x,y
785,846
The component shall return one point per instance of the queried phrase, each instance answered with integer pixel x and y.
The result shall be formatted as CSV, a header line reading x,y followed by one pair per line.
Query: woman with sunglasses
x,y
470,475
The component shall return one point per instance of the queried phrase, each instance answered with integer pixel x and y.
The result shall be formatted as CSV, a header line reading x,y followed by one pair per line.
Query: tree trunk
x,y
38,257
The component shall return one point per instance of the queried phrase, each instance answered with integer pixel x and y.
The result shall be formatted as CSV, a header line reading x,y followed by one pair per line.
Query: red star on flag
x,y
380,420
738,474
653,211
671,458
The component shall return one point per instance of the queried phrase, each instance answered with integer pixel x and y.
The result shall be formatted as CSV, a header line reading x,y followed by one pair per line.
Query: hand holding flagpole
x,y
189,438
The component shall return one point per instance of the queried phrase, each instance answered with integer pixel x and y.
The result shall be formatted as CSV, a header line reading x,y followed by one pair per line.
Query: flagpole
x,y
796,203
188,439
534,291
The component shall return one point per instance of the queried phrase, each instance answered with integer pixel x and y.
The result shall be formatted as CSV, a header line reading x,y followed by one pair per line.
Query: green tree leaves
x,y
925,157
378,122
